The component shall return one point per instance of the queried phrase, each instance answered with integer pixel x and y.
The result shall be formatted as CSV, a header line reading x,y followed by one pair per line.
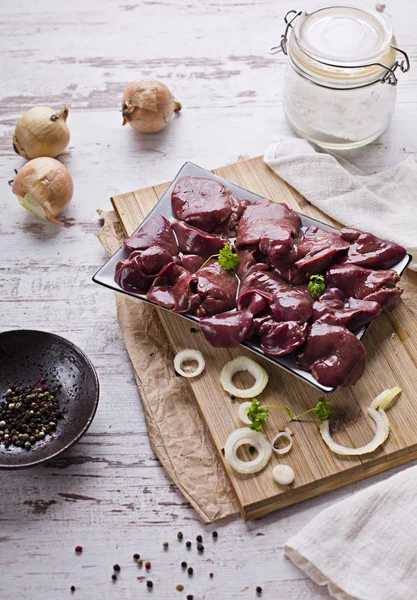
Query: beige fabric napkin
x,y
364,547
382,203
176,430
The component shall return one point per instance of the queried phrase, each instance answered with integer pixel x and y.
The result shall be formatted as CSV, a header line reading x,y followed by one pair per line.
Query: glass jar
x,y
340,83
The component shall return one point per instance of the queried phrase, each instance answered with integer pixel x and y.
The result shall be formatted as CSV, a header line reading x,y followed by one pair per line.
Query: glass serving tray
x,y
105,275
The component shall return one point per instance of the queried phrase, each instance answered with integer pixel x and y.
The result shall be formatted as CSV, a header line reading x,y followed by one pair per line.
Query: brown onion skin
x,y
41,131
47,181
148,105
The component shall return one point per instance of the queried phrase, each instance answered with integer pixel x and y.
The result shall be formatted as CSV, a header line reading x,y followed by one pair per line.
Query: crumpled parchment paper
x,y
176,430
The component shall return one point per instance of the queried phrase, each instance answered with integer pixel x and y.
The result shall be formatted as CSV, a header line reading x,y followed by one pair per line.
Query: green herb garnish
x,y
228,259
259,414
316,285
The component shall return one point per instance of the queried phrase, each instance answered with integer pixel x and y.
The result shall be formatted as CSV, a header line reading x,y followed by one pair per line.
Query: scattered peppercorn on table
x,y
103,520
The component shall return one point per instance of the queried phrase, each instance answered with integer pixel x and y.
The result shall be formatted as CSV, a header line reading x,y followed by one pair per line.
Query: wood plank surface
x,y
389,363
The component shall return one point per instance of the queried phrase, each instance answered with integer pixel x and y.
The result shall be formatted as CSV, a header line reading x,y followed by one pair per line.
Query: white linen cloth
x,y
364,547
383,203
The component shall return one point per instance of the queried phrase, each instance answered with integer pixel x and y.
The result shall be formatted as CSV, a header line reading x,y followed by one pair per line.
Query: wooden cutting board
x,y
391,345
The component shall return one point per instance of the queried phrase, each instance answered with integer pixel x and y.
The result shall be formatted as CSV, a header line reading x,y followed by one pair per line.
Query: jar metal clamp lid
x,y
342,47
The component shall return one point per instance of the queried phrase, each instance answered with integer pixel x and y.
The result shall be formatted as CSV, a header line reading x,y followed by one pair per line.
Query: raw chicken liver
x,y
195,241
279,338
270,226
175,288
287,303
365,284
217,289
333,354
203,203
155,232
136,273
370,251
353,313
228,329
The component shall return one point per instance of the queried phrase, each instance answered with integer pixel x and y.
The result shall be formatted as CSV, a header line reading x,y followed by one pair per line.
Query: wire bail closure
x,y
389,76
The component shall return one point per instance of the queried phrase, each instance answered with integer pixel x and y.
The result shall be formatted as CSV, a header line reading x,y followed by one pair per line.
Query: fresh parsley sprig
x,y
227,257
316,285
259,414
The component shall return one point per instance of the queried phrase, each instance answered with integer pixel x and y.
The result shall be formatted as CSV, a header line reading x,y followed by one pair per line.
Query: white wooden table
x,y
108,493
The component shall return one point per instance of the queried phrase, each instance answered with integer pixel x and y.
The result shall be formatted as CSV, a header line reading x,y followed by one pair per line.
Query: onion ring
x,y
283,474
243,413
189,354
385,398
241,437
287,448
381,434
243,363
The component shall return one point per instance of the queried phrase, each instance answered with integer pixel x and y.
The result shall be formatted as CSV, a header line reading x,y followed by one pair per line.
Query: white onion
x,y
243,363
385,398
287,448
283,474
44,187
41,131
242,437
189,354
243,413
148,105
381,434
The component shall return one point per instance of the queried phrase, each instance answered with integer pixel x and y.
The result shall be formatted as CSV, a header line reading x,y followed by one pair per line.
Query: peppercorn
x,y
179,587
116,568
199,538
136,556
78,549
149,583
190,570
179,534
184,564
140,562
148,565
29,411
165,545
200,547
114,576
252,449
193,330
211,575
73,588
232,397
190,597
215,535
258,589
188,544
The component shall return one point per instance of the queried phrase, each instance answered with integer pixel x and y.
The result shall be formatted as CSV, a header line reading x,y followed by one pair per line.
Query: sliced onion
x,y
381,434
243,363
189,354
246,436
287,448
283,474
385,398
243,413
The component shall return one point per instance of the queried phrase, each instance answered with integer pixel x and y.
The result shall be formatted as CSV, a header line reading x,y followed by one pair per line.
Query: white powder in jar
x,y
337,117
